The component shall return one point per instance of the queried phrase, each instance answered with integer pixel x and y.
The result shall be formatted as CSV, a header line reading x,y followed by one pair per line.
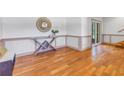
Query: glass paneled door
x,y
96,32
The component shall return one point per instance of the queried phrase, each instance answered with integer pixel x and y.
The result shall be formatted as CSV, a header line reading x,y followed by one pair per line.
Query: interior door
x,y
96,32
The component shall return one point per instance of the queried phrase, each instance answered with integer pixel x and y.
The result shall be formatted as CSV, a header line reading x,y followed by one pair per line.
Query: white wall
x,y
97,18
85,31
0,28
112,25
79,26
85,26
13,27
1,43
73,25
26,27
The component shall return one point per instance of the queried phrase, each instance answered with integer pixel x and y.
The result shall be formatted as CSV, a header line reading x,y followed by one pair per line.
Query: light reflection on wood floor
x,y
103,60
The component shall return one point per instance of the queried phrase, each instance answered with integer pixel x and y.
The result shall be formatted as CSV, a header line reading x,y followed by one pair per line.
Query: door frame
x,y
98,21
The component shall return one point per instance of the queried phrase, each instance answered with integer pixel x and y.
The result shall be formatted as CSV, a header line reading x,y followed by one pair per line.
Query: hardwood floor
x,y
119,44
103,60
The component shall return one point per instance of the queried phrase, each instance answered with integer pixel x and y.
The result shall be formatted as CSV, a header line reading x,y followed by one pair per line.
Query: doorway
x,y
96,32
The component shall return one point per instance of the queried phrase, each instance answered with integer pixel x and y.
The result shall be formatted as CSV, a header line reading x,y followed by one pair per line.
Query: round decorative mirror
x,y
43,24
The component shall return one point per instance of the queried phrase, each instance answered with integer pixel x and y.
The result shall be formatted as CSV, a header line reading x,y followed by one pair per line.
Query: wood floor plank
x,y
103,60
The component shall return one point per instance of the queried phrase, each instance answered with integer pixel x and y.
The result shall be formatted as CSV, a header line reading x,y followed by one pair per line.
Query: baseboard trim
x,y
31,52
24,54
86,48
106,43
74,48
58,47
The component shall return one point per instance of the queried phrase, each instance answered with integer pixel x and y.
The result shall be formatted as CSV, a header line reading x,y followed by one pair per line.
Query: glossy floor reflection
x,y
102,60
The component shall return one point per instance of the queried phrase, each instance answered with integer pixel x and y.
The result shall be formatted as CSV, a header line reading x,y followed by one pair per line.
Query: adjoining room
x,y
61,46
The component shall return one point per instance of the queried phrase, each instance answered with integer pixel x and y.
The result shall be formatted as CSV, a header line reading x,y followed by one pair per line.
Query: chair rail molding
x,y
79,38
